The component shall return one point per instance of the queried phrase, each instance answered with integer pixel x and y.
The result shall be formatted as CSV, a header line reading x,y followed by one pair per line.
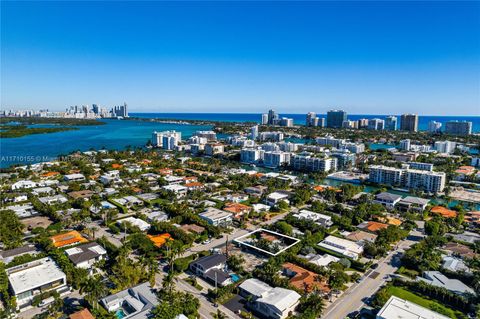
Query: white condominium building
x,y
430,182
251,155
306,162
445,147
167,139
276,158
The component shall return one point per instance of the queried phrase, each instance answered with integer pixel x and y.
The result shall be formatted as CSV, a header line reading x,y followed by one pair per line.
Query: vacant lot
x,y
38,221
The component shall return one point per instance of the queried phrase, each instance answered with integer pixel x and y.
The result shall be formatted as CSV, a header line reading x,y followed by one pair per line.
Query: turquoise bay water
x,y
116,134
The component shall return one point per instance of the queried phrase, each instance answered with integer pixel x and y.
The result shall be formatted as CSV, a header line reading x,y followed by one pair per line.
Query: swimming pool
x,y
120,314
235,277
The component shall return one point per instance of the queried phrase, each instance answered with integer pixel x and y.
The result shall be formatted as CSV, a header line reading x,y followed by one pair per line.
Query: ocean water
x,y
116,134
299,119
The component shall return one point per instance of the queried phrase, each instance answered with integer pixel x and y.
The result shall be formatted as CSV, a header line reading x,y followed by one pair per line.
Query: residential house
x,y
178,190
74,177
68,239
411,203
81,314
305,280
7,256
342,246
216,217
237,209
397,308
321,260
132,303
212,268
360,236
140,223
277,303
84,256
388,200
276,197
436,278
372,226
444,212
320,219
33,278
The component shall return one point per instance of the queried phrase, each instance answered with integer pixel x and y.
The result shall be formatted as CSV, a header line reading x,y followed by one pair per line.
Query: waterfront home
x,y
388,200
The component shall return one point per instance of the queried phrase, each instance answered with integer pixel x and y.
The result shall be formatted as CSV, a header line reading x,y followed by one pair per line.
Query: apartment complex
x,y
307,162
427,181
458,128
409,122
335,118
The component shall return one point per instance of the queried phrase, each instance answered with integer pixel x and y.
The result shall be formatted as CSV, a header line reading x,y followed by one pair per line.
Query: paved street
x,y
354,297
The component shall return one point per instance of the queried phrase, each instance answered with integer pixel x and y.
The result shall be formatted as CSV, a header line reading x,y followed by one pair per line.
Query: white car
x,y
47,301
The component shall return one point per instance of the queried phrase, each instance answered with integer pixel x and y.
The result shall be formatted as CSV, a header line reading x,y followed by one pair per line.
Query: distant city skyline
x,y
228,57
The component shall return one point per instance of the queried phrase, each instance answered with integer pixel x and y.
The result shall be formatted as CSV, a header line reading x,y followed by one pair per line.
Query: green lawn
x,y
429,304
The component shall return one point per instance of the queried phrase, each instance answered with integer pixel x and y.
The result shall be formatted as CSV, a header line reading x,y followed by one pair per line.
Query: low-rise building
x,y
216,217
387,199
276,197
412,203
34,278
320,219
321,260
212,268
132,303
140,223
342,246
84,256
7,256
275,303
178,190
305,280
74,177
397,308
436,278
68,239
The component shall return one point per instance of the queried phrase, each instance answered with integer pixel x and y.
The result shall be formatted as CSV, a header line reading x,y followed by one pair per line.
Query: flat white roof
x,y
175,187
397,308
213,213
33,274
277,195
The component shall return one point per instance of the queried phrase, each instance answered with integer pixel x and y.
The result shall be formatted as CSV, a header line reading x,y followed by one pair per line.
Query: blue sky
x,y
365,57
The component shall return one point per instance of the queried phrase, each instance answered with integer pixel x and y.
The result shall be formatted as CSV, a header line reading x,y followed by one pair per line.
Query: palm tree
x,y
92,231
94,288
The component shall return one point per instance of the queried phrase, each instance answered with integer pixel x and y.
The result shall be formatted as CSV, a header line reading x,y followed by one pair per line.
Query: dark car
x,y
374,266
